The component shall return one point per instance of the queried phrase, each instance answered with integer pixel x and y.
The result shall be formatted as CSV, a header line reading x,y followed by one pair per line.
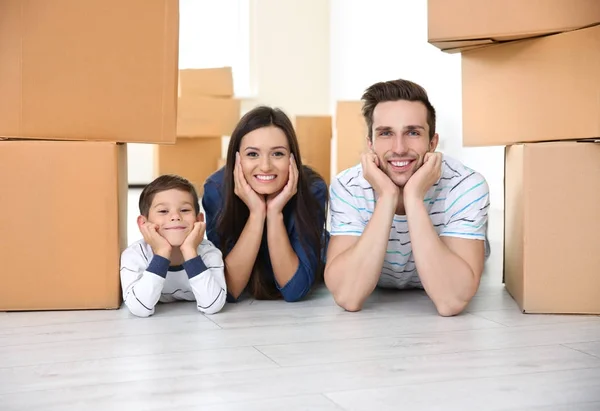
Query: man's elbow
x,y
450,308
343,299
348,303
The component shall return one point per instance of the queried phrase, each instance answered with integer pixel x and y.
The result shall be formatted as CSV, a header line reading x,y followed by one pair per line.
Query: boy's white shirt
x,y
143,289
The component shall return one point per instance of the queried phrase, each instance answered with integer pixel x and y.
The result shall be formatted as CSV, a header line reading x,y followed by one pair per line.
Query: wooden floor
x,y
396,354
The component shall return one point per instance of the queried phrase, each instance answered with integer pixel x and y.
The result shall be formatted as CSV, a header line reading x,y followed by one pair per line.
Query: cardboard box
x,y
192,158
314,138
216,82
533,90
89,70
62,224
551,243
200,116
457,25
351,131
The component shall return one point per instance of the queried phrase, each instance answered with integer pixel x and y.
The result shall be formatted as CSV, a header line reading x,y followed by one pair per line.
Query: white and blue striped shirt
x,y
457,203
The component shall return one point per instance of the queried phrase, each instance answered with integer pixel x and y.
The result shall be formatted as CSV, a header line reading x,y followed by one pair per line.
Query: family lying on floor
x,y
405,217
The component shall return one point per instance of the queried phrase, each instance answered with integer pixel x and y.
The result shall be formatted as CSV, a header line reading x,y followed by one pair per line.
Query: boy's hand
x,y
189,248
160,245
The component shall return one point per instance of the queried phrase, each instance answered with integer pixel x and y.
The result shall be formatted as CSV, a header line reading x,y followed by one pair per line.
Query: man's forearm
x,y
448,279
353,274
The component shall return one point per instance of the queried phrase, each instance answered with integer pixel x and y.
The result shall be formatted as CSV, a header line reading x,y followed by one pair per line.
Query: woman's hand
x,y
275,205
254,201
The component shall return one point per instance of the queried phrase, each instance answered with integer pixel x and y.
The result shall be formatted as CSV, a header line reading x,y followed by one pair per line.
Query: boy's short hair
x,y
164,183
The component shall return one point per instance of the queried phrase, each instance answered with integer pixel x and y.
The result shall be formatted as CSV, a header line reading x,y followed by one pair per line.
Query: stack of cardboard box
x,y
78,79
206,113
314,138
351,134
531,83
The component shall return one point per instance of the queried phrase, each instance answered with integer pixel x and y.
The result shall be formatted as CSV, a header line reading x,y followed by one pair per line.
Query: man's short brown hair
x,y
395,90
164,183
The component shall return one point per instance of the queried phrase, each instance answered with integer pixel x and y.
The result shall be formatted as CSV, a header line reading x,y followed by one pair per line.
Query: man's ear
x,y
433,143
141,220
369,143
200,217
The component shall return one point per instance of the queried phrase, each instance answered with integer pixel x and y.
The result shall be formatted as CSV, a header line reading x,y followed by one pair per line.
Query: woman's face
x,y
265,159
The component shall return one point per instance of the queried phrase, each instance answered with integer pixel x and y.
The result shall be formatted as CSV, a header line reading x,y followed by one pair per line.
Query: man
x,y
406,217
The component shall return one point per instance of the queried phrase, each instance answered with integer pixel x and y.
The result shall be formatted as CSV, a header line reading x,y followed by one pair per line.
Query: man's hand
x,y
160,245
276,204
381,183
425,177
189,248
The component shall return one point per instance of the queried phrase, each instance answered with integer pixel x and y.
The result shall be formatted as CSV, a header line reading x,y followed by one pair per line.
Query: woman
x,y
266,211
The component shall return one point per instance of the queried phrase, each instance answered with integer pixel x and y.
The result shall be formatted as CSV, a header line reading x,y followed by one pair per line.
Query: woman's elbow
x,y
292,293
292,297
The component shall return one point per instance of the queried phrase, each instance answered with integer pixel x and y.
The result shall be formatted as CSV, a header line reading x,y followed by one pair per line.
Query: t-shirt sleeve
x,y
345,215
467,206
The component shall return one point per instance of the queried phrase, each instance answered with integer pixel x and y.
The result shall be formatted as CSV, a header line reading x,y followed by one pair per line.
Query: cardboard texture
x,y
200,116
63,225
314,138
533,90
351,131
89,70
192,158
216,82
551,260
460,24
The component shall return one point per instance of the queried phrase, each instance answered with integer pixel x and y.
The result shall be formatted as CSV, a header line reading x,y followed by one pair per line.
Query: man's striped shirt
x,y
457,203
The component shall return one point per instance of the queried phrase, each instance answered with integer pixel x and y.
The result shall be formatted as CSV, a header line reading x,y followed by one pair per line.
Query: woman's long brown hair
x,y
305,207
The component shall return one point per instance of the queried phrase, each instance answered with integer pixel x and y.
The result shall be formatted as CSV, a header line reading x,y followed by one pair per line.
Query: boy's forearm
x,y
240,261
143,295
353,274
208,291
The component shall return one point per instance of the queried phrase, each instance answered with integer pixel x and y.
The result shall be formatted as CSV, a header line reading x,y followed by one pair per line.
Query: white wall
x,y
387,39
290,55
304,55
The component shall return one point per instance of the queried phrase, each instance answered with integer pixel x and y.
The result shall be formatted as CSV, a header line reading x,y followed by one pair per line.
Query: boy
x,y
173,262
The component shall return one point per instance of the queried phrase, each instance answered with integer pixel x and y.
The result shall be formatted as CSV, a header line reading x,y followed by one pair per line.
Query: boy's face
x,y
173,211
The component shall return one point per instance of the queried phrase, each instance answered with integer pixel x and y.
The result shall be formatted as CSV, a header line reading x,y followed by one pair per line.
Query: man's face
x,y
401,138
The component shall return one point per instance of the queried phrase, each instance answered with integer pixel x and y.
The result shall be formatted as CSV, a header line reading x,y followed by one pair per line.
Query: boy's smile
x,y
173,211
